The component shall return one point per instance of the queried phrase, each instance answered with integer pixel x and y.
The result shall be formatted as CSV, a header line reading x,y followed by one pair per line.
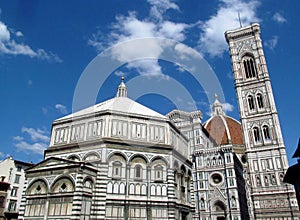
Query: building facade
x,y
4,186
13,172
265,150
121,160
115,160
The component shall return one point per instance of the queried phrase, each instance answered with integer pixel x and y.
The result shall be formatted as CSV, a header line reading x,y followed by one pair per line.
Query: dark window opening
x,y
256,134
251,102
259,99
249,67
266,132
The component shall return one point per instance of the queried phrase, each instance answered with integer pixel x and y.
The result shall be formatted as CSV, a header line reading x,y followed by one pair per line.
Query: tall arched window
x,y
250,102
256,134
138,171
259,100
266,133
158,172
249,67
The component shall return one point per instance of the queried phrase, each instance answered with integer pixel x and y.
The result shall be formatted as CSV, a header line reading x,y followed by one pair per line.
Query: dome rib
x,y
225,130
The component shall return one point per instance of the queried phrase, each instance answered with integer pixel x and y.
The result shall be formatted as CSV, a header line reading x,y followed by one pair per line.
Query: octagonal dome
x,y
222,128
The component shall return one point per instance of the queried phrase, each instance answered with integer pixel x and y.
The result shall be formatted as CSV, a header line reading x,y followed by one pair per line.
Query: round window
x,y
216,178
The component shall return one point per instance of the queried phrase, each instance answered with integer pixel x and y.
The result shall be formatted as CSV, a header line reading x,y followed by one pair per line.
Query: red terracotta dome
x,y
224,129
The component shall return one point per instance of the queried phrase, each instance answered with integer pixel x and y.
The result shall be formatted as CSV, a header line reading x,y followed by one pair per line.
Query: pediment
x,y
51,163
217,195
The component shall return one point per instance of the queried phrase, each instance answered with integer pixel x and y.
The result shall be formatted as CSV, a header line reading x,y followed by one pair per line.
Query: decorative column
x,y
99,198
171,193
23,201
77,197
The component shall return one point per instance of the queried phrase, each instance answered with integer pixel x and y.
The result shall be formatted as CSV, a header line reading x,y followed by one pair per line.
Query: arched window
x,y
220,161
214,161
256,134
266,181
258,183
138,171
266,133
158,172
259,100
249,67
250,102
202,203
117,168
208,162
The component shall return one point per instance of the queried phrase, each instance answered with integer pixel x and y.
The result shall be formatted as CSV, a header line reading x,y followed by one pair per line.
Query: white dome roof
x,y
117,105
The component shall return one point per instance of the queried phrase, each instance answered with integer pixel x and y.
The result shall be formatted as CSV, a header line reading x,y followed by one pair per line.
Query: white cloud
x,y
19,34
39,138
2,154
159,7
272,43
185,52
172,30
29,82
227,107
61,108
26,147
36,134
279,18
4,33
11,47
130,27
18,138
148,68
119,73
212,39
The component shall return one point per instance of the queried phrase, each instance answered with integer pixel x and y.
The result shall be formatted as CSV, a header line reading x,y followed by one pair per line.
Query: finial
x,y
123,78
217,108
122,90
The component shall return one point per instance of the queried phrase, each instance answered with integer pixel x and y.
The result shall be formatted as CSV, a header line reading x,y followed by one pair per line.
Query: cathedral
x,y
121,160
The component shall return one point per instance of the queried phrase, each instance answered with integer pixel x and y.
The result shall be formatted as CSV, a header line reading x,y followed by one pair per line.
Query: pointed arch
x,y
266,132
250,101
256,134
260,100
249,65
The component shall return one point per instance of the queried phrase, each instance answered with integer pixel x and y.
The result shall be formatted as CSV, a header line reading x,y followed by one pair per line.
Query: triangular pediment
x,y
217,195
52,162
245,48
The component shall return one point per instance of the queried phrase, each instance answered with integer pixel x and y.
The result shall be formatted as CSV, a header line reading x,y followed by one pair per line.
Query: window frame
x,y
250,102
260,101
249,67
266,133
138,169
17,178
256,134
14,192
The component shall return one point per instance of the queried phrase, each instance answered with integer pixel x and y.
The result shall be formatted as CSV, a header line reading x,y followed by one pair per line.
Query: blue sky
x,y
46,45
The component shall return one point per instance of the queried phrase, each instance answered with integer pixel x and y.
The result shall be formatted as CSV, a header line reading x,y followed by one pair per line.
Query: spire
x,y
122,90
217,108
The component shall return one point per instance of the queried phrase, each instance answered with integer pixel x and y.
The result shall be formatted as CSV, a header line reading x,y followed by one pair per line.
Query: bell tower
x,y
265,150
